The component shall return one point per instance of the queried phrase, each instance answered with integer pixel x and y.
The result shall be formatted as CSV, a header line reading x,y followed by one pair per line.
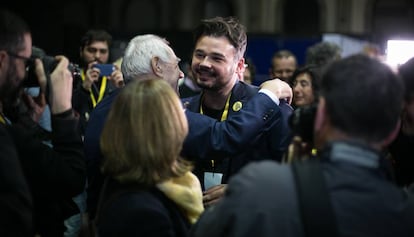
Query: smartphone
x,y
105,69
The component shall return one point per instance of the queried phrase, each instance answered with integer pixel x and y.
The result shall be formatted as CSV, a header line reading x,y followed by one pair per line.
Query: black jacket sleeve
x,y
15,198
60,168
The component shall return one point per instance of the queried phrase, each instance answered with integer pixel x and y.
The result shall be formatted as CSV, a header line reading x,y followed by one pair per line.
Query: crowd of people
x,y
146,150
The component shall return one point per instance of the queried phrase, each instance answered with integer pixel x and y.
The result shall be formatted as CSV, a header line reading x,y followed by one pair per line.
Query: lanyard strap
x,y
101,90
2,120
226,108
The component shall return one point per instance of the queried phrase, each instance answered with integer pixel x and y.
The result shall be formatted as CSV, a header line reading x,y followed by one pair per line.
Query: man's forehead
x,y
98,45
286,61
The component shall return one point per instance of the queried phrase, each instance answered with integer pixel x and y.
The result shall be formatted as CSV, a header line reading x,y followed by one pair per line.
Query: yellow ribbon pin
x,y
237,106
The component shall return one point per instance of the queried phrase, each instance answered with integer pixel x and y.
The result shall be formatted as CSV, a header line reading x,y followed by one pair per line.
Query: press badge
x,y
212,179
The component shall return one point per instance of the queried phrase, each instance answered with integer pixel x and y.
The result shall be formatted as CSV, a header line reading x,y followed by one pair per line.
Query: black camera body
x,y
302,121
49,64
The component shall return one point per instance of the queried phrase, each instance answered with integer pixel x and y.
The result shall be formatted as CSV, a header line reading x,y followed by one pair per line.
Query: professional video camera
x,y
49,64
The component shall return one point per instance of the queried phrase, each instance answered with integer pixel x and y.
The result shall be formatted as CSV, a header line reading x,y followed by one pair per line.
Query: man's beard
x,y
11,90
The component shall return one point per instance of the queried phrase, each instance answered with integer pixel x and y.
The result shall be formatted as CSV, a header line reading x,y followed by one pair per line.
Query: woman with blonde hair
x,y
149,189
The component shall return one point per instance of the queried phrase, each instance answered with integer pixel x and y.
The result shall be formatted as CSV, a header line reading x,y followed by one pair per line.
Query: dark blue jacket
x,y
224,138
271,143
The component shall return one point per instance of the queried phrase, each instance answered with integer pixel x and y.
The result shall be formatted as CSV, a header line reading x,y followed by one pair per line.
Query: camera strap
x,y
318,219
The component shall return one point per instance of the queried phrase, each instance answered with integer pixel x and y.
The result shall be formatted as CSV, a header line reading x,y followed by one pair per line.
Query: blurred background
x,y
355,25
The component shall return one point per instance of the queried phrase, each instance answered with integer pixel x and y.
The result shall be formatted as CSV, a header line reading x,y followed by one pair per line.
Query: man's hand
x,y
117,78
91,75
36,105
61,80
213,194
281,89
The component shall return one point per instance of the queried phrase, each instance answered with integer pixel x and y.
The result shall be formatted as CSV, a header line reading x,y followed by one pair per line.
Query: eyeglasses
x,y
27,61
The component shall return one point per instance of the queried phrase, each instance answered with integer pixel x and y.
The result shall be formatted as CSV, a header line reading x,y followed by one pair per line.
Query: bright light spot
x,y
399,51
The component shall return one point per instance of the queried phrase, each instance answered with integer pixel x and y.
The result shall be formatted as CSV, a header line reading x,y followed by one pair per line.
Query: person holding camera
x,y
98,78
53,174
347,191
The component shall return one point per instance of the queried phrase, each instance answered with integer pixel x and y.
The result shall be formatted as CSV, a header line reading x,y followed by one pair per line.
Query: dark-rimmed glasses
x,y
27,61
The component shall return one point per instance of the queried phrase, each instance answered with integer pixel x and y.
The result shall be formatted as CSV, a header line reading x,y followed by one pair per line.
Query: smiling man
x,y
217,64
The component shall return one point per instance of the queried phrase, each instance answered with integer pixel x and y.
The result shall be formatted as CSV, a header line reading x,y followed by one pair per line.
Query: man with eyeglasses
x,y
93,85
37,182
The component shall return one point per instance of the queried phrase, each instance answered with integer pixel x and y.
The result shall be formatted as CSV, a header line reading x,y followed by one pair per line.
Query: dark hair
x,y
364,97
314,73
284,53
95,35
12,30
406,71
228,27
322,53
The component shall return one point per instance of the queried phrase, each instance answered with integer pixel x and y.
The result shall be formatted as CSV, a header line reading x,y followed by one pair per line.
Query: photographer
x,y
54,175
94,83
346,191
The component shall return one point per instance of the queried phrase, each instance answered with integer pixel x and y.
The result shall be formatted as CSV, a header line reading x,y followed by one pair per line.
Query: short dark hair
x,y
314,73
364,97
323,53
284,53
228,27
12,31
95,35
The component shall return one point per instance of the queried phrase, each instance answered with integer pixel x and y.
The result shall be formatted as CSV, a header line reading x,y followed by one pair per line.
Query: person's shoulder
x,y
140,203
265,169
261,175
244,88
140,213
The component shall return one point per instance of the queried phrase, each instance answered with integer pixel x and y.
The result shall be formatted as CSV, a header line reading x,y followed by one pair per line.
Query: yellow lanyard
x,y
225,112
223,116
101,90
2,120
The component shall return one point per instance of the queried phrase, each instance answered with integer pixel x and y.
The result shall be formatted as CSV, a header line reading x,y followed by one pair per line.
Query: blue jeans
x,y
73,224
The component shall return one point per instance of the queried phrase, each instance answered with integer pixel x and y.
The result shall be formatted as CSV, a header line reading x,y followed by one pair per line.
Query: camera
x,y
302,121
49,64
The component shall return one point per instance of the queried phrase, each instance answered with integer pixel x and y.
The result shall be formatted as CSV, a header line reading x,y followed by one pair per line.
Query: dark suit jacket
x,y
270,143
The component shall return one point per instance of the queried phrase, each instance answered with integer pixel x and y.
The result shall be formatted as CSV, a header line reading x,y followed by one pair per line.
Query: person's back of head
x,y
228,27
363,98
323,53
144,133
140,52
